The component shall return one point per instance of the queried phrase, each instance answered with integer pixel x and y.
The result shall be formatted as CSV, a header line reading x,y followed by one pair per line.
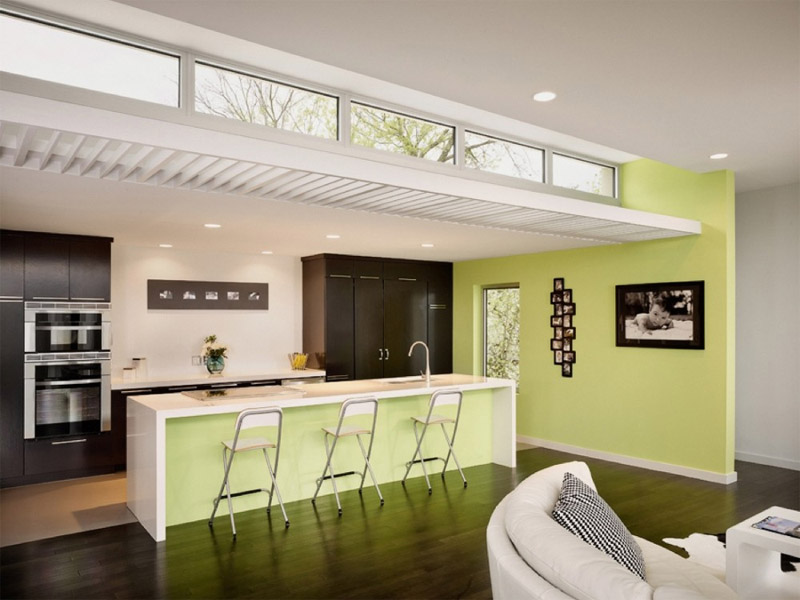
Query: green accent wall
x,y
666,405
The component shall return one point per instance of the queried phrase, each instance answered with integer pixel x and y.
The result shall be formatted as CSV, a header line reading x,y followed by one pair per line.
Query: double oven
x,y
67,369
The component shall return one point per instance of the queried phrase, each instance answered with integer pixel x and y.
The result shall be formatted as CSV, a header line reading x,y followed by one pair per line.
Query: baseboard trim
x,y
653,465
770,461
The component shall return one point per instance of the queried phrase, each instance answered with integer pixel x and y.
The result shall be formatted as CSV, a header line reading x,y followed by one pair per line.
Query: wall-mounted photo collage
x,y
562,322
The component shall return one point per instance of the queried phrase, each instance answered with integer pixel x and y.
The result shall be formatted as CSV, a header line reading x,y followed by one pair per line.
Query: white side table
x,y
752,559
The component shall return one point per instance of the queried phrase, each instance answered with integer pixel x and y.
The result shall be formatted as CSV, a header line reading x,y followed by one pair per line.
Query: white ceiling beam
x,y
90,160
77,144
113,161
24,145
135,160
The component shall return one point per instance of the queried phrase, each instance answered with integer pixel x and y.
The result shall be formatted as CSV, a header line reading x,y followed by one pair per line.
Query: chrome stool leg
x,y
349,408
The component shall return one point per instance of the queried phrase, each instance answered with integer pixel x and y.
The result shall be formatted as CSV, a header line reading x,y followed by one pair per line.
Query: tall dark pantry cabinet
x,y
361,315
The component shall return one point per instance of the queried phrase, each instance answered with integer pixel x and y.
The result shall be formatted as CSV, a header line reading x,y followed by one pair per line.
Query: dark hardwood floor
x,y
416,546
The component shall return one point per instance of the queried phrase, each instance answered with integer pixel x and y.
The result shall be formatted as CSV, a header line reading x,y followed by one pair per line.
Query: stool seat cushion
x,y
434,420
346,430
253,443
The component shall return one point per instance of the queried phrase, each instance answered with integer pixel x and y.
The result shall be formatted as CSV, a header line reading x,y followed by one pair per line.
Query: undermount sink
x,y
409,379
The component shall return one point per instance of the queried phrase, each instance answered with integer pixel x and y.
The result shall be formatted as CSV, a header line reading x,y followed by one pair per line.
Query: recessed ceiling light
x,y
212,225
266,252
165,245
718,156
333,236
544,96
427,245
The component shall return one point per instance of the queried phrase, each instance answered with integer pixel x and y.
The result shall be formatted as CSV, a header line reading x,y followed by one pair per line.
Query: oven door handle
x,y
68,327
46,384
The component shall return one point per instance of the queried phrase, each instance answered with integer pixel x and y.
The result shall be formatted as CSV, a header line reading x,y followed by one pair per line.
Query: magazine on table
x,y
779,525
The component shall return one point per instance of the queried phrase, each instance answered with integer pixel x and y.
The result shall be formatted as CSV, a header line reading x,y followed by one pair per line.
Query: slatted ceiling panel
x,y
31,147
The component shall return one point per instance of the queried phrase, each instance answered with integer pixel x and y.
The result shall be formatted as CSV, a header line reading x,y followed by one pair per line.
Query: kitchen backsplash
x,y
256,340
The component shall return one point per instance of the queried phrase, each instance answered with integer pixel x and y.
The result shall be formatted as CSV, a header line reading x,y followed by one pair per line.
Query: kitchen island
x,y
174,451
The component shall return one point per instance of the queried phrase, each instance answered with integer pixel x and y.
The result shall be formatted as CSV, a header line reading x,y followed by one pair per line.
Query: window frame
x,y
593,161
122,40
385,107
208,62
499,138
485,342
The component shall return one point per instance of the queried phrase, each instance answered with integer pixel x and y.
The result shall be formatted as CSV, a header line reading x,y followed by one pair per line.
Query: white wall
x,y
258,341
768,326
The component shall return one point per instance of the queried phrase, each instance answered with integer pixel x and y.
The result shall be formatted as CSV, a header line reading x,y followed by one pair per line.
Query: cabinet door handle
x,y
139,391
387,354
406,279
68,442
381,352
89,299
50,298
224,385
335,276
368,277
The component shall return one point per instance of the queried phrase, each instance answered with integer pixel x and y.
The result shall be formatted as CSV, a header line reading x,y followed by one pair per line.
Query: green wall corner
x,y
664,405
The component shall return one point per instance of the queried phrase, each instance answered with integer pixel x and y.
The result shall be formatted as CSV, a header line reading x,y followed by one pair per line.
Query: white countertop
x,y
206,379
180,405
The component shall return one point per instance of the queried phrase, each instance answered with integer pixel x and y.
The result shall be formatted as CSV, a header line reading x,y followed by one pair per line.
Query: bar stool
x,y
350,408
438,399
247,419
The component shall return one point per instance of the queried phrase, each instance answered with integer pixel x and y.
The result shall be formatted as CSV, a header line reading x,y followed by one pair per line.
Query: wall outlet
x,y
196,362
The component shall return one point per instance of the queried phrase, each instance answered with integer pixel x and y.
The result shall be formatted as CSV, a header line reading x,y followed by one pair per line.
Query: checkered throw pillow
x,y
584,513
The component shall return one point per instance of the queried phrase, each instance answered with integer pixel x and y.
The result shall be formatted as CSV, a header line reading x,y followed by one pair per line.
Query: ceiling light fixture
x,y
165,245
427,245
212,225
544,96
718,156
333,236
266,252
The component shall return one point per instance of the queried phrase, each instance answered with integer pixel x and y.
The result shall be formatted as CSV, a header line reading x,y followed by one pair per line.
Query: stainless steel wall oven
x,y
67,327
67,394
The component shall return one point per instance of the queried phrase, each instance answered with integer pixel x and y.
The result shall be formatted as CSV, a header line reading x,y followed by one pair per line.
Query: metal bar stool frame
x,y
248,419
438,398
350,408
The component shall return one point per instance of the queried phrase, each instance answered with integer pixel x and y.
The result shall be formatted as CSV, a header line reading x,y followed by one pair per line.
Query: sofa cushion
x,y
582,511
674,577
567,562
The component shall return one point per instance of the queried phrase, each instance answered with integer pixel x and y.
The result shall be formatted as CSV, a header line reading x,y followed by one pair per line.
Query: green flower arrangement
x,y
212,349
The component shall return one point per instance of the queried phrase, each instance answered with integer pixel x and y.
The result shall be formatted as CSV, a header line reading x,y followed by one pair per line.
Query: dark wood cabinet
x,y
12,376
389,303
46,268
68,456
90,270
405,320
62,267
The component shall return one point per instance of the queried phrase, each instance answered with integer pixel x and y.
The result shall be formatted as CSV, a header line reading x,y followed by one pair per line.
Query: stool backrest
x,y
358,406
271,416
444,397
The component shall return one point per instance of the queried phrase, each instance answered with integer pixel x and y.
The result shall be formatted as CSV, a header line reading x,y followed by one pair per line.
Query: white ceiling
x,y
670,81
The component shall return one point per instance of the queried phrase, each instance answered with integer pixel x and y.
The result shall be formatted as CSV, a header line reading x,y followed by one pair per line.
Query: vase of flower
x,y
215,354
215,366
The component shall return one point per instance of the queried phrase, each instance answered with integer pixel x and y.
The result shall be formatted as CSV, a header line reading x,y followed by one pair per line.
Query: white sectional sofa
x,y
532,557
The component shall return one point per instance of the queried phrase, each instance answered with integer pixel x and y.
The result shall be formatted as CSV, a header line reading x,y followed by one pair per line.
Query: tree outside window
x,y
501,332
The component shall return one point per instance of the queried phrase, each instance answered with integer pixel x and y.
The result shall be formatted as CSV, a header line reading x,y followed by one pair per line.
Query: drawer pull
x,y
406,279
182,388
337,276
68,442
224,385
141,391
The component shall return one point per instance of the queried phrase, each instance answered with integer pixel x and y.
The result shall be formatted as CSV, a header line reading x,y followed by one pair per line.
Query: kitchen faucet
x,y
427,361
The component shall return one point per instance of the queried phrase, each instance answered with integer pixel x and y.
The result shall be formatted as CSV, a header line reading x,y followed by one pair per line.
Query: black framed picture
x,y
558,284
661,315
